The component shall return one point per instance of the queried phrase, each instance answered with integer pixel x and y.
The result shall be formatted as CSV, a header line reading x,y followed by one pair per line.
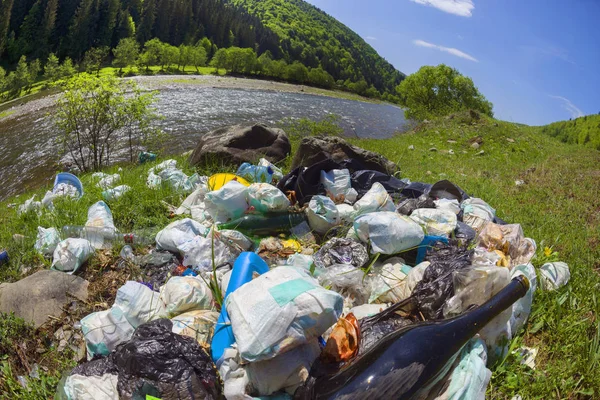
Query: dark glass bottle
x,y
409,360
270,224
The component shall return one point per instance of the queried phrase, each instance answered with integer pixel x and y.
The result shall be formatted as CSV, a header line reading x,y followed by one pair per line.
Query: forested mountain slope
x,y
291,30
583,130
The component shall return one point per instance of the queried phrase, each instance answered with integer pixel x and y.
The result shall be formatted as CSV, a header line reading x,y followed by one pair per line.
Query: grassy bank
x,y
558,205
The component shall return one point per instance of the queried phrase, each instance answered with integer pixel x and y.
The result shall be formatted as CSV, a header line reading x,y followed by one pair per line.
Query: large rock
x,y
242,143
319,148
42,295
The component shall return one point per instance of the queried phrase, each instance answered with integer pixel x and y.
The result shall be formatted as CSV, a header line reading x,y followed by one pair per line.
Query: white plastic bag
x,y
154,181
367,310
115,193
185,293
477,213
388,280
236,239
338,186
345,213
280,310
265,198
108,181
197,324
179,232
322,214
30,205
347,280
300,261
103,331
139,303
554,275
100,216
178,180
522,307
388,232
434,221
81,387
376,199
204,253
70,254
196,198
277,173
227,203
447,204
47,240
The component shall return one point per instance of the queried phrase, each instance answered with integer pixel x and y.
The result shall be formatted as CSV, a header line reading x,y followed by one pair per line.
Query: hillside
x,y
584,130
288,30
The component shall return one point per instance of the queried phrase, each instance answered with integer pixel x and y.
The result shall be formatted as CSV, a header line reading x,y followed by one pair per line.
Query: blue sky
x,y
538,61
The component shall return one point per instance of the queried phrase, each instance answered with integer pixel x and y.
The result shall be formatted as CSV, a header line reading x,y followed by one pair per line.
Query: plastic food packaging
x,y
47,240
322,214
70,254
228,202
337,186
554,275
179,232
388,232
267,198
294,310
435,221
510,240
376,199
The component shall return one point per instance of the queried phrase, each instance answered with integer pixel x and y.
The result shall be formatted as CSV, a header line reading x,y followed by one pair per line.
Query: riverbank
x,y
557,203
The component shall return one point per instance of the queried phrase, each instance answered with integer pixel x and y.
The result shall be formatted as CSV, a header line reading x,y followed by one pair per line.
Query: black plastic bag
x,y
408,205
416,189
341,251
447,190
363,180
464,232
437,284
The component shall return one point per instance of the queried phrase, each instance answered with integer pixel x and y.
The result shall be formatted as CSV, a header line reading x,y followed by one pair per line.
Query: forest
x,y
292,37
584,130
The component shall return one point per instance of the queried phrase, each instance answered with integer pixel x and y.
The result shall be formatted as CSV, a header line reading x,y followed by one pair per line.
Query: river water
x,y
30,147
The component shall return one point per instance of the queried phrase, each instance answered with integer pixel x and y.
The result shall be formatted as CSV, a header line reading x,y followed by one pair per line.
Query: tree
x,y
169,55
21,76
67,69
152,53
219,60
92,111
2,80
52,68
264,62
208,46
34,70
93,59
198,57
297,72
125,53
320,77
437,91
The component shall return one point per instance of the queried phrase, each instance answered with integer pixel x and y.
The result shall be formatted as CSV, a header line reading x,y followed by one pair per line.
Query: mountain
x,y
291,30
583,130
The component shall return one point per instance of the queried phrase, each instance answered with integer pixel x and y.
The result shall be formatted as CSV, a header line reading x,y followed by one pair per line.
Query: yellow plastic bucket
x,y
217,181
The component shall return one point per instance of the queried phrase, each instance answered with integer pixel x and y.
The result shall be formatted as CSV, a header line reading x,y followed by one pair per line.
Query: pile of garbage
x,y
265,273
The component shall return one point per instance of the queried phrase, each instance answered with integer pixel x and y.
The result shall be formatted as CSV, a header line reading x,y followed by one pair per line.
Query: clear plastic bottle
x,y
108,235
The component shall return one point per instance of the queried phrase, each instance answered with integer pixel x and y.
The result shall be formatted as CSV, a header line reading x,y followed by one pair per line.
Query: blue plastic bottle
x,y
255,173
243,268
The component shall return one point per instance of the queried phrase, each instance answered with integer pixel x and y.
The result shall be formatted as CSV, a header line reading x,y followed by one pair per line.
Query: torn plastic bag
x,y
206,253
264,378
337,186
388,232
447,190
70,254
483,257
387,281
406,206
376,199
178,180
185,293
47,240
469,378
108,181
196,198
197,324
294,310
235,239
115,193
267,198
554,275
228,202
341,251
81,387
464,232
434,221
510,240
450,205
179,232
30,205
363,180
322,214
346,280
437,284
477,213
165,365
522,307
100,216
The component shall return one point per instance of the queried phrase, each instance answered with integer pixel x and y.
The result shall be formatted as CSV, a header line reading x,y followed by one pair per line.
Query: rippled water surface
x,y
29,145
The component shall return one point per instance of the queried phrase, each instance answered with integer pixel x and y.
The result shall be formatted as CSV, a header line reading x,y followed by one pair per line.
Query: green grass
x,y
559,206
4,114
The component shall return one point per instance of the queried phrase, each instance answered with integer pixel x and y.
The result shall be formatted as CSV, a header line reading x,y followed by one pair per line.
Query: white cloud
x,y
548,50
451,50
463,8
370,38
570,107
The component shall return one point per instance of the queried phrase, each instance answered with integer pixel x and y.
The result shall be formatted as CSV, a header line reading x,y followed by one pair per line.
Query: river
x,y
30,147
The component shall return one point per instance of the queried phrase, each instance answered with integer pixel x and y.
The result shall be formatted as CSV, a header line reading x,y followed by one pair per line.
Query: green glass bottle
x,y
270,224
407,361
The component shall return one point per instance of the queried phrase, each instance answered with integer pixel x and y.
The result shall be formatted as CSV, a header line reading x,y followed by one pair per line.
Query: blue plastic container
x,y
426,244
243,268
65,177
